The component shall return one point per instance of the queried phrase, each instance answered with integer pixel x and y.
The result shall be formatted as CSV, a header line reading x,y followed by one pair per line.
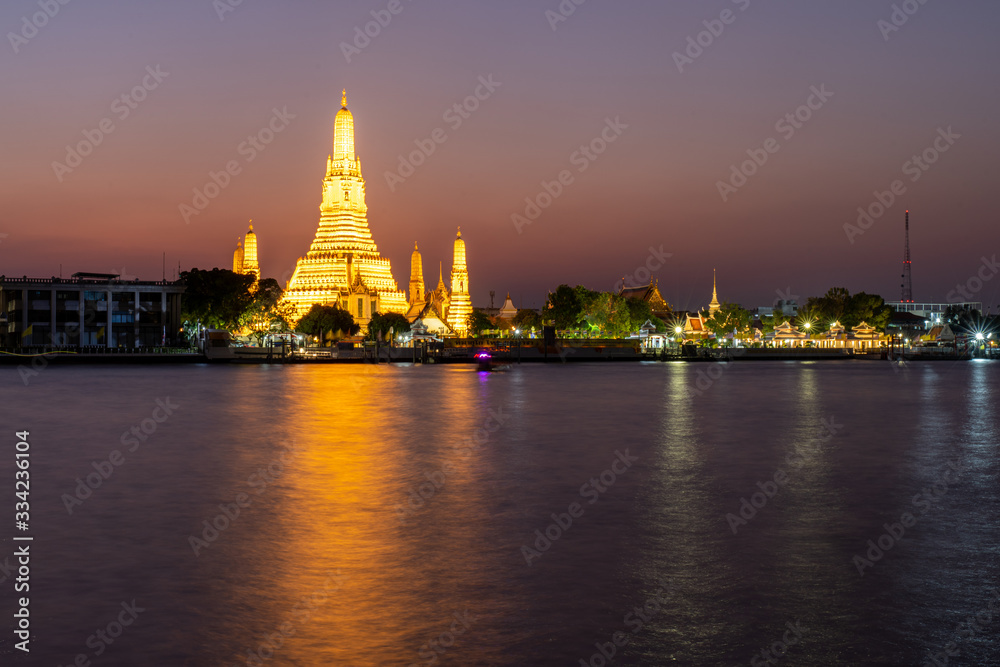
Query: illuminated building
x,y
714,305
507,311
417,293
461,304
250,264
89,310
651,295
245,256
343,266
238,256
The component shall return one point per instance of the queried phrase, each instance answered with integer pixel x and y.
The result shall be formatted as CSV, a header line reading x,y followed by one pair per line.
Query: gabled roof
x,y
650,294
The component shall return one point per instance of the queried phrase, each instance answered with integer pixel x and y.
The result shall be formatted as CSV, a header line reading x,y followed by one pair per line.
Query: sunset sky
x,y
889,94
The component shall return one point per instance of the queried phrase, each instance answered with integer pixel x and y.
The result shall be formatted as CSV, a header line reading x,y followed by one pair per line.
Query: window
x,y
361,307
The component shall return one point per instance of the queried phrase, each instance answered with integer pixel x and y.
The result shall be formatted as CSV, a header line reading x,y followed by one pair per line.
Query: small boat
x,y
486,363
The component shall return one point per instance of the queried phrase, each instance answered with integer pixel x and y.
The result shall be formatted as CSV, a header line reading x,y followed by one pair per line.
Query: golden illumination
x,y
461,304
714,305
238,256
343,266
245,256
416,277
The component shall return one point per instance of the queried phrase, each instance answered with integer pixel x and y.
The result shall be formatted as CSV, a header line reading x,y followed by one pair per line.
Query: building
x,y
460,306
713,305
343,266
651,295
932,311
418,295
443,311
694,325
507,311
245,256
89,310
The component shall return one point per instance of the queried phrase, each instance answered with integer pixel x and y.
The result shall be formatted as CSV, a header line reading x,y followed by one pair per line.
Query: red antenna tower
x,y
907,280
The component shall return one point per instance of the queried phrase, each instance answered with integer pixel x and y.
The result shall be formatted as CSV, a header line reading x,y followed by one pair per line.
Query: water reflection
x,y
320,568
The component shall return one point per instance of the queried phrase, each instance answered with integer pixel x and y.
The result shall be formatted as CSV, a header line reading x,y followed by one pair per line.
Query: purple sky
x,y
655,185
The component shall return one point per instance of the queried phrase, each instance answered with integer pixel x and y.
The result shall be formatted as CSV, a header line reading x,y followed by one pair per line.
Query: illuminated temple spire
x,y
417,292
250,264
343,132
238,256
461,304
343,265
714,305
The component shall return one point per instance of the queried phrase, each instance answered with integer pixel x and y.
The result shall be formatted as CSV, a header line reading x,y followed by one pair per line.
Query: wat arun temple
x,y
343,267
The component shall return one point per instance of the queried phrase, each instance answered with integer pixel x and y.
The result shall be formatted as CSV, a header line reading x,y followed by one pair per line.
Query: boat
x,y
487,364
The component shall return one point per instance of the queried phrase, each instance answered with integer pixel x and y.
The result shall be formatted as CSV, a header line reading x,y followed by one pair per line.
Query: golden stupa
x,y
343,266
460,306
245,255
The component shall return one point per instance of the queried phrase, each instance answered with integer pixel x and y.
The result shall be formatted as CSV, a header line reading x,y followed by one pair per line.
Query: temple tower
x,y
250,264
417,291
343,265
461,304
714,305
238,256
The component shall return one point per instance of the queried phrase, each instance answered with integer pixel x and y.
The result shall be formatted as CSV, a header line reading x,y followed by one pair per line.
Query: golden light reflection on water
x,y
367,585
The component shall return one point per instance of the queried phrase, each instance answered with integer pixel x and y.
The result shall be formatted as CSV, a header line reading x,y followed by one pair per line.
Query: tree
x,y
832,307
322,319
379,325
478,321
639,312
869,308
267,312
728,318
217,299
527,319
564,307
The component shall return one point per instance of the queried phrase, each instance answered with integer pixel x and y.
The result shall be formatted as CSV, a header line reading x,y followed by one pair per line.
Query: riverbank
x,y
456,355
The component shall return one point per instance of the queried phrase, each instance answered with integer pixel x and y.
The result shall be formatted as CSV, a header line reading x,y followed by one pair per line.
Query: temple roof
x,y
343,132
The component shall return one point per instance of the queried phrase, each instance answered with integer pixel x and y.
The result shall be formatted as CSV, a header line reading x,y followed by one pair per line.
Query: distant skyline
x,y
737,135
